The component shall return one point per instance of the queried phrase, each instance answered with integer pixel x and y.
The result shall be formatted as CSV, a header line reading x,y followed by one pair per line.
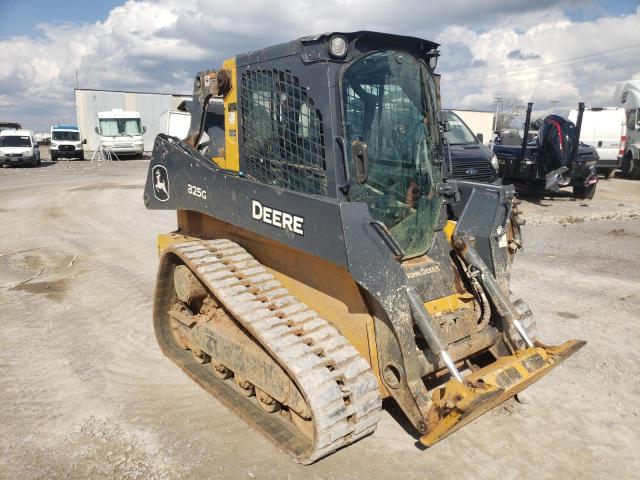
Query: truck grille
x,y
67,148
472,170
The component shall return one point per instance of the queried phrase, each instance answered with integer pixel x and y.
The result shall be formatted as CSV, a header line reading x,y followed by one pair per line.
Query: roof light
x,y
433,55
338,46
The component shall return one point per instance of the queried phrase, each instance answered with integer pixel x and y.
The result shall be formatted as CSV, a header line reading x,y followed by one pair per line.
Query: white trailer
x,y
603,128
627,96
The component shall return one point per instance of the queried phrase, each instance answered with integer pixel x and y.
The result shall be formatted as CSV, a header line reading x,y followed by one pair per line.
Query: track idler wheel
x,y
199,355
245,387
267,402
220,371
187,286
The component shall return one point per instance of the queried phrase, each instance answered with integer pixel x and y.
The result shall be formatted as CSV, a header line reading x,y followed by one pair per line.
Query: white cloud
x,y
589,78
158,46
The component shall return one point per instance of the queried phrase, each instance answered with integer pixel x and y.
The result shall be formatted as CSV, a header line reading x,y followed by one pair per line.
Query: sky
x,y
554,53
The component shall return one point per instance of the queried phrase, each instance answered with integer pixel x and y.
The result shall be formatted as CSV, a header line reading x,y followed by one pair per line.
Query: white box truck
x,y
627,96
121,132
175,123
603,129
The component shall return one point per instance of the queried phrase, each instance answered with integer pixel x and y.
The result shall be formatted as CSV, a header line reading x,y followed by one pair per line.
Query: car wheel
x,y
54,157
584,193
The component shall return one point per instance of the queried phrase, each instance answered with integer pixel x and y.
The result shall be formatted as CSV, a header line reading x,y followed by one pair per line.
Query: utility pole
x,y
76,78
495,117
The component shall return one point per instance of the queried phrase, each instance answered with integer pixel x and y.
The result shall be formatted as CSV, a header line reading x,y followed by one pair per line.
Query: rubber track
x,y
337,382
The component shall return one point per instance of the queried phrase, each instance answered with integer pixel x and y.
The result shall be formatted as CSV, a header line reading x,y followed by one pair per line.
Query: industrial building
x,y
150,105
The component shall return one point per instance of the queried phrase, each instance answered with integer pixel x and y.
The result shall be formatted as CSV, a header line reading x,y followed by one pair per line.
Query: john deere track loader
x,y
321,262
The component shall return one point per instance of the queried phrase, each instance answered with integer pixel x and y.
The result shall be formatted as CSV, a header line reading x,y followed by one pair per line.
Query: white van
x,y
66,142
603,129
19,147
121,132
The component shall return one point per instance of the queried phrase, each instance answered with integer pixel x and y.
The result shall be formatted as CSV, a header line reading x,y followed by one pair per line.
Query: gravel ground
x,y
86,393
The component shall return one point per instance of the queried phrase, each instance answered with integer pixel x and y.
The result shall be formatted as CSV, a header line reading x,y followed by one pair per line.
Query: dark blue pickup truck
x,y
470,159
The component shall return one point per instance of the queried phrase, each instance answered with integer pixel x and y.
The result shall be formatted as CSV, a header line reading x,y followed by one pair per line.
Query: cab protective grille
x,y
282,134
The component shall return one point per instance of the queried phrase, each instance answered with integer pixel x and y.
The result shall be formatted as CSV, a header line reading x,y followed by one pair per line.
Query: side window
x,y
631,119
282,135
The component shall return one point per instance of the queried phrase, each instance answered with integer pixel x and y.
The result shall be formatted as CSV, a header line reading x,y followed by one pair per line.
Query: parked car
x,y
603,129
19,147
470,159
66,142
553,159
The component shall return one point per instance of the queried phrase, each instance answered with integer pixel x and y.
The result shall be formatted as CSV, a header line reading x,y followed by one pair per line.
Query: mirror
x,y
480,137
144,129
445,126
97,130
84,141
360,155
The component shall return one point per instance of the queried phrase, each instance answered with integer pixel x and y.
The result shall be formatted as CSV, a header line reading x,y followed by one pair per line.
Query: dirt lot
x,y
86,393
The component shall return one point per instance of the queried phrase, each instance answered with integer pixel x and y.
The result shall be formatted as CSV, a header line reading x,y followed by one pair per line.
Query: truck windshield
x,y
459,133
65,135
389,103
120,127
15,141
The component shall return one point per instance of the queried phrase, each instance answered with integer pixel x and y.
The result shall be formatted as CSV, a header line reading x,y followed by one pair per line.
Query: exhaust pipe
x,y
523,150
576,136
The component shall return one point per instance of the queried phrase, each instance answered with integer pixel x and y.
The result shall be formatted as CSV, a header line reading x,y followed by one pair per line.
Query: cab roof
x,y
304,46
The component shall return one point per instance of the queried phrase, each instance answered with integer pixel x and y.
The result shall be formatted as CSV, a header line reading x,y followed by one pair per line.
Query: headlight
x,y
338,46
54,144
495,163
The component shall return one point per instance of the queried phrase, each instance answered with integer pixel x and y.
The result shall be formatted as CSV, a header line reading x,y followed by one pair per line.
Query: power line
x,y
561,75
557,62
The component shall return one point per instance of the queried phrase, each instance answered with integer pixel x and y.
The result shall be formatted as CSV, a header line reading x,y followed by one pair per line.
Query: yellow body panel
x,y
450,303
449,228
231,160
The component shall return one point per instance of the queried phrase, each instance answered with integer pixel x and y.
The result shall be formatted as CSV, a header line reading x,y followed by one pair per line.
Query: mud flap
x,y
457,404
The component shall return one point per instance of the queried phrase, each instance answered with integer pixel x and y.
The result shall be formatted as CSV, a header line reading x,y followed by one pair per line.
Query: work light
x,y
338,46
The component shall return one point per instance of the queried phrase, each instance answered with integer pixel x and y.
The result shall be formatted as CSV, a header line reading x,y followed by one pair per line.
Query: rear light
x,y
623,140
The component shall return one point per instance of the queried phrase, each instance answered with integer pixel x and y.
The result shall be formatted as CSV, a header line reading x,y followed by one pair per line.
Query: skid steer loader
x,y
321,262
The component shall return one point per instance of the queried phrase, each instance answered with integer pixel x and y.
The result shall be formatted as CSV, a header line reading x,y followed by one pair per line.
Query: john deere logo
x,y
471,171
160,183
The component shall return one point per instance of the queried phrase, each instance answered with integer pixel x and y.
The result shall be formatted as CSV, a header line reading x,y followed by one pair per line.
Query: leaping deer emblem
x,y
160,185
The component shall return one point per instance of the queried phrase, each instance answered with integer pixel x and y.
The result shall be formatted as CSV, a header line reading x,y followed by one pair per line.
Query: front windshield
x,y
459,133
120,127
15,141
65,135
389,102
